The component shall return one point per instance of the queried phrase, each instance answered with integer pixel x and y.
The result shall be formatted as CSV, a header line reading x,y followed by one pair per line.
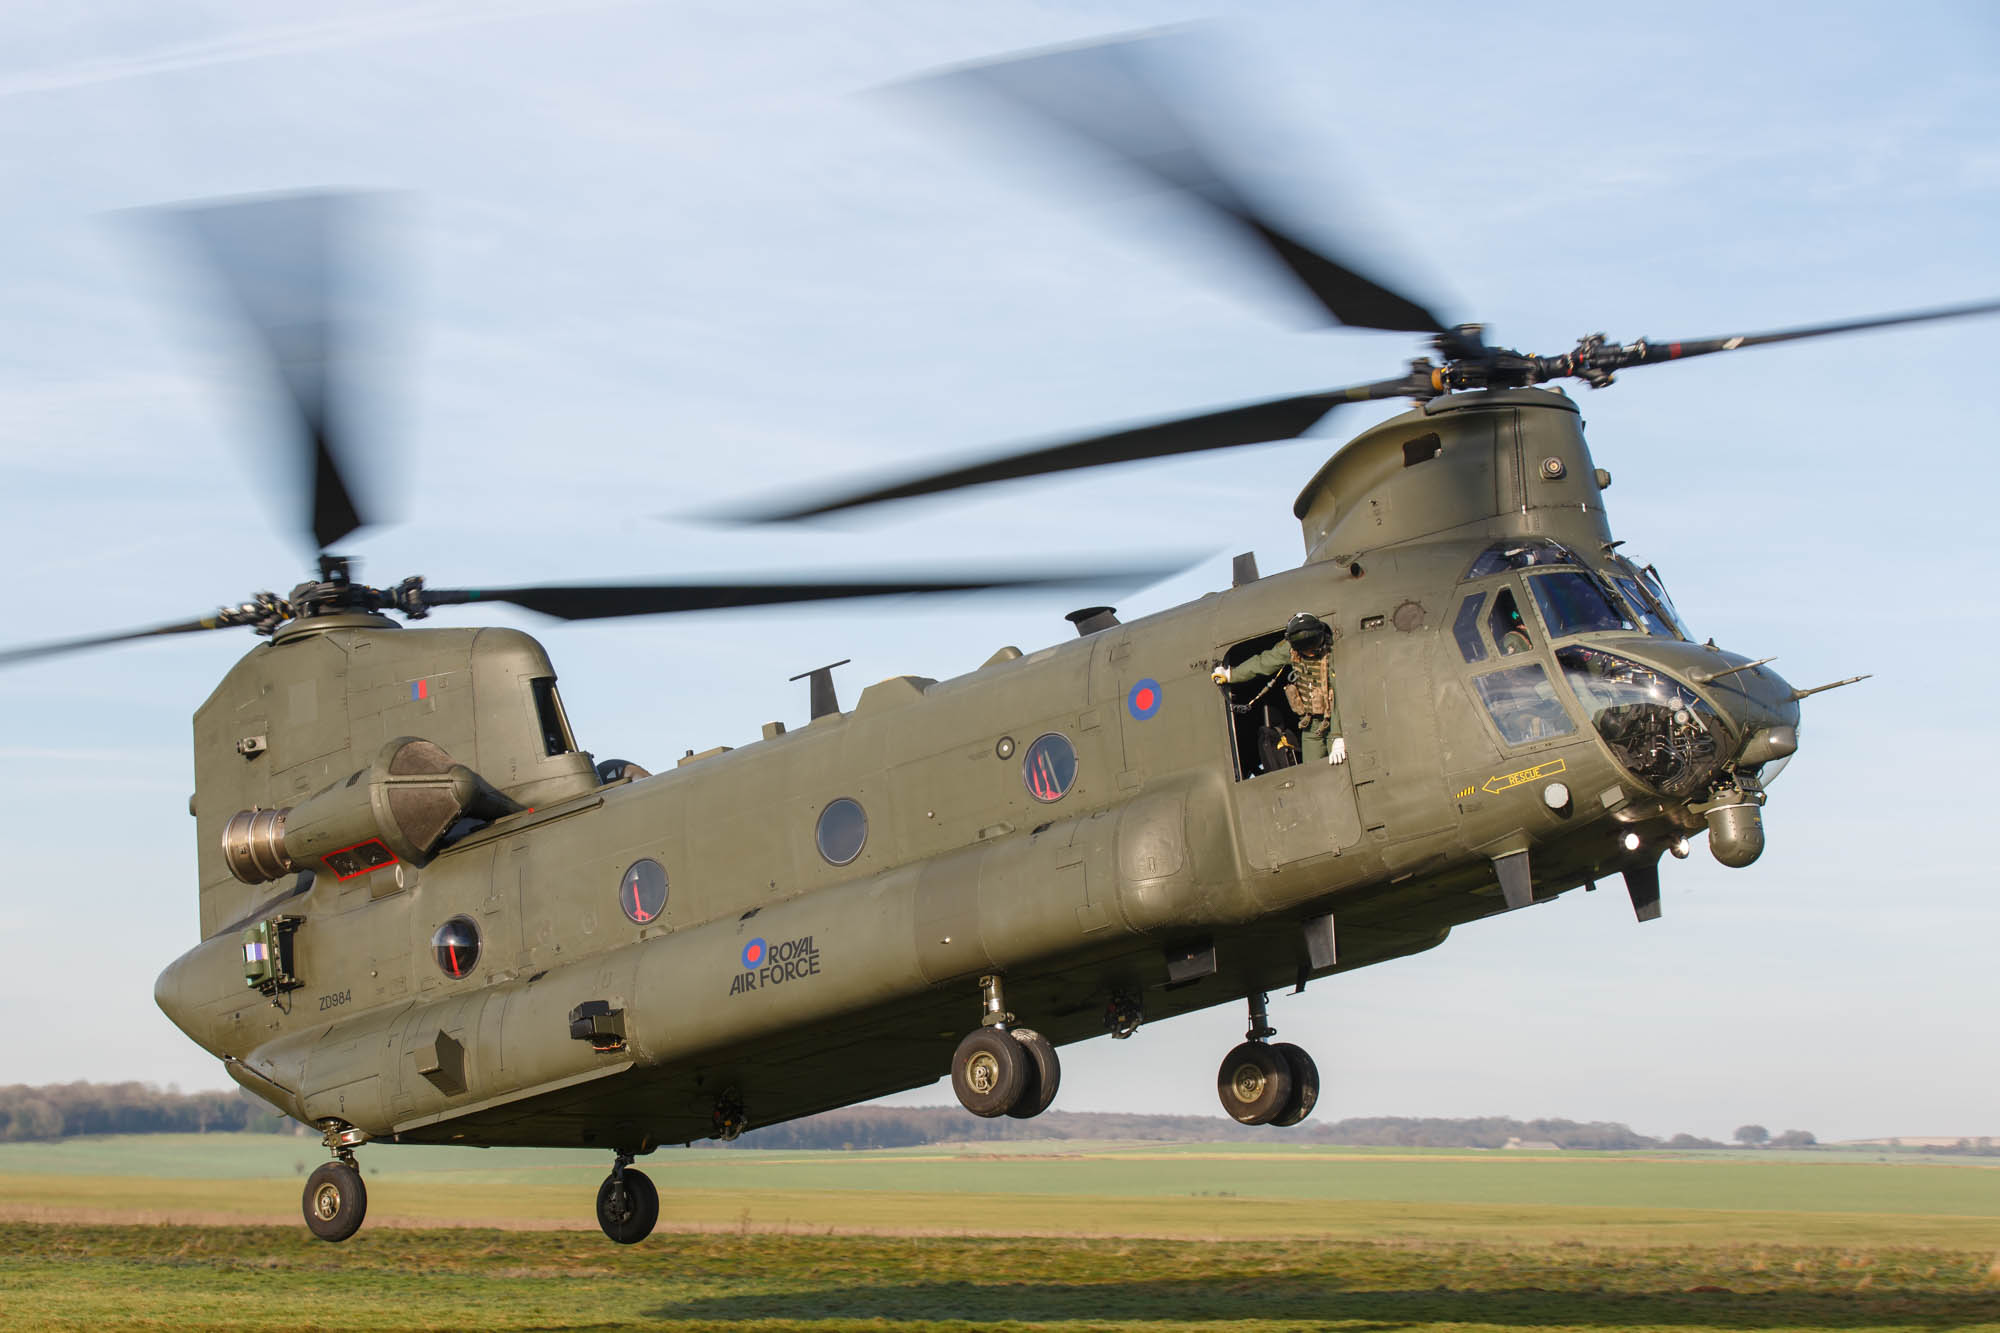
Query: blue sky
x,y
652,258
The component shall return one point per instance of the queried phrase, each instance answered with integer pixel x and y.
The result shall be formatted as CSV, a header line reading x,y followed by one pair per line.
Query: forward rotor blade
x,y
10,656
278,259
1253,423
603,601
1101,95
1650,353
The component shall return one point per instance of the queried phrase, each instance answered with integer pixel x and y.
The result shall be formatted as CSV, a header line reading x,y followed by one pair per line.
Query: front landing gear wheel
x,y
1305,1085
335,1201
1254,1083
1045,1074
990,1071
628,1210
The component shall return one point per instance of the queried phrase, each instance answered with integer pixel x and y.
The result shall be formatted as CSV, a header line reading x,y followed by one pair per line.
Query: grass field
x,y
197,1232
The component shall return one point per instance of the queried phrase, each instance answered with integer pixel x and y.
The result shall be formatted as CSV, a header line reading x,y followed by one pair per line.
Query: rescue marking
x,y
775,964
1508,781
1144,699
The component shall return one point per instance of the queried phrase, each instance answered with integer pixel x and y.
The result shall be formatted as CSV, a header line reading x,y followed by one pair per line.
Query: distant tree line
x,y
1756,1136
904,1127
61,1110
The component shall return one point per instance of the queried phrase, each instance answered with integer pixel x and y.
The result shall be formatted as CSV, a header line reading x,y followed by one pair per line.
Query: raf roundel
x,y
753,952
1144,699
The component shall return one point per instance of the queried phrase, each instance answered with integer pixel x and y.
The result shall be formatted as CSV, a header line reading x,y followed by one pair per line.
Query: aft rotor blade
x,y
1253,423
1101,95
10,656
602,601
278,259
1648,353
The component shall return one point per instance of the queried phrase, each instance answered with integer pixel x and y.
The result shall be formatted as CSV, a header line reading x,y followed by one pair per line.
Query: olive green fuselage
x,y
776,982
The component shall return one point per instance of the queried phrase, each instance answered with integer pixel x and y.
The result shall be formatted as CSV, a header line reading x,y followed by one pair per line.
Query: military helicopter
x,y
429,916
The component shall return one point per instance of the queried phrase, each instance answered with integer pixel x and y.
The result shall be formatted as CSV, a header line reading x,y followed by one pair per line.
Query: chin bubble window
x,y
842,831
456,946
1050,767
642,894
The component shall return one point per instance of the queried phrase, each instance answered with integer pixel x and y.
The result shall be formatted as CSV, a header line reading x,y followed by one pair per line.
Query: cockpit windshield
x,y
1520,553
1648,598
1657,728
1574,602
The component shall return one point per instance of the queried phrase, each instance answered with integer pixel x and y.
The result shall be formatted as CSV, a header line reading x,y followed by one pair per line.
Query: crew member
x,y
1304,652
1514,638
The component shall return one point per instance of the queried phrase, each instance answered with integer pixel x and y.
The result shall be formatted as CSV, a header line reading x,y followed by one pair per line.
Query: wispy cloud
x,y
350,30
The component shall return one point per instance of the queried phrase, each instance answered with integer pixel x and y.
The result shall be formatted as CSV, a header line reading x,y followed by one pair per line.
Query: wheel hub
x,y
1247,1082
326,1201
982,1072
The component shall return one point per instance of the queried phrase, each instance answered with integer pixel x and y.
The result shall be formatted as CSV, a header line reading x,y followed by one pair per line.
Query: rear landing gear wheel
x,y
1305,1085
1254,1083
1044,1074
628,1209
335,1201
990,1071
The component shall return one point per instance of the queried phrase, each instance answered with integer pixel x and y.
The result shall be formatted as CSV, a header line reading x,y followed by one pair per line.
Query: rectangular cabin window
x,y
549,716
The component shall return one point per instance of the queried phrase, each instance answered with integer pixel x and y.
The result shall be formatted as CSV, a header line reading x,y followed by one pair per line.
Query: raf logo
x,y
774,964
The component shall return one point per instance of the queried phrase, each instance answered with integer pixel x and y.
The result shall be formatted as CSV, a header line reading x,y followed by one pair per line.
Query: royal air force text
x,y
788,960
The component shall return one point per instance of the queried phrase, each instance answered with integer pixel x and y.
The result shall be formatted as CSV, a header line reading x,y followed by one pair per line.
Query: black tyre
x,y
1044,1078
1254,1083
990,1072
1305,1085
335,1201
628,1215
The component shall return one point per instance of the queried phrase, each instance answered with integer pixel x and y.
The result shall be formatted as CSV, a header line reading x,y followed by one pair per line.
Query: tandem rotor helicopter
x,y
428,915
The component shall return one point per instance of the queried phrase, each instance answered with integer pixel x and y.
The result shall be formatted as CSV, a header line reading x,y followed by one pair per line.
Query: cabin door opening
x,y
1263,729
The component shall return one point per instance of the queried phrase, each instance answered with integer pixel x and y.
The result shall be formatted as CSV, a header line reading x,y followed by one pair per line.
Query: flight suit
x,y
1310,693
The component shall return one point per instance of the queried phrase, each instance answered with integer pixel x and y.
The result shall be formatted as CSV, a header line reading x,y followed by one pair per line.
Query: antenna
x,y
824,700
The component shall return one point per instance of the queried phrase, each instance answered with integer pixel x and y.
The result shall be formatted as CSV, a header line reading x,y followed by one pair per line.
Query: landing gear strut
x,y
1000,1069
1263,1084
335,1200
628,1204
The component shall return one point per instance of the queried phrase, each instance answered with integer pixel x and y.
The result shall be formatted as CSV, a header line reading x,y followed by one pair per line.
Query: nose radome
x,y
1769,744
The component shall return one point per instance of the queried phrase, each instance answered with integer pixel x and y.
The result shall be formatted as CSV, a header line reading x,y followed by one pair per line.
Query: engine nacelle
x,y
397,809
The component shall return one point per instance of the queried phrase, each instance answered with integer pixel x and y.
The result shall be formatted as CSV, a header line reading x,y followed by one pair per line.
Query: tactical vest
x,y
1310,690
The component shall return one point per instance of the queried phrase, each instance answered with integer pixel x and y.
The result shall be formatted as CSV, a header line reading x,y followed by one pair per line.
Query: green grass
x,y
167,1231
245,1278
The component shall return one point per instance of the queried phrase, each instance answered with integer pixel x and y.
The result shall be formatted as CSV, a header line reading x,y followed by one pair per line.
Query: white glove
x,y
1336,750
1220,675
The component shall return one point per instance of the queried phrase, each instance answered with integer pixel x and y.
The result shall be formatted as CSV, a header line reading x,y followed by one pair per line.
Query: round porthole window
x,y
843,829
642,894
1050,767
456,946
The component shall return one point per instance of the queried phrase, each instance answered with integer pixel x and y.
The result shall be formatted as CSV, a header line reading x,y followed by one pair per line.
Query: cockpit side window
x,y
549,716
1573,602
1466,628
1510,634
1523,705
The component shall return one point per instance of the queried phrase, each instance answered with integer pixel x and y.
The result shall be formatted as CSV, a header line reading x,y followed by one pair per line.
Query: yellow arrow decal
x,y
1508,781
